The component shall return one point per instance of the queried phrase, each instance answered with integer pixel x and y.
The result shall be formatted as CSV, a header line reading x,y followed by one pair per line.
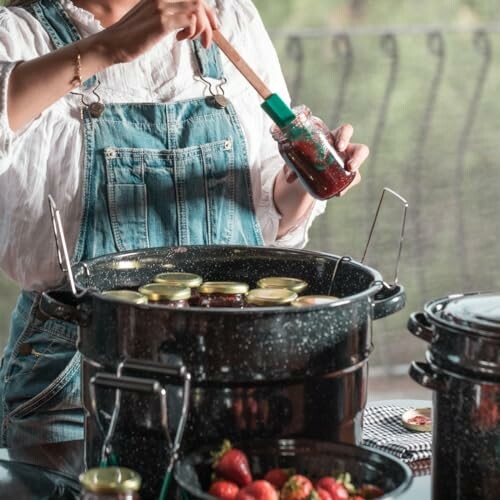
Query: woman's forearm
x,y
291,200
36,84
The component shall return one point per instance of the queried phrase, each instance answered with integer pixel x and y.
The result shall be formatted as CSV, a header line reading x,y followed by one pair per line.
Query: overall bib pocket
x,y
171,197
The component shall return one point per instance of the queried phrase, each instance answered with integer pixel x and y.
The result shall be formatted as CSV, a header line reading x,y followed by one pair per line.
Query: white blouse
x,y
45,157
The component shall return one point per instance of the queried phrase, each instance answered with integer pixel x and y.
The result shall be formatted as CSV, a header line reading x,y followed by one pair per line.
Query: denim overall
x,y
154,175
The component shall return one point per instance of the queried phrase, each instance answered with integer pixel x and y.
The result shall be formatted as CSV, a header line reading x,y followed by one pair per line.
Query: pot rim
x,y
463,377
433,309
82,268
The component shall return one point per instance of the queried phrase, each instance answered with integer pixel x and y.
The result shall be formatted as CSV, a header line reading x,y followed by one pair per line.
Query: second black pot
x,y
463,370
465,432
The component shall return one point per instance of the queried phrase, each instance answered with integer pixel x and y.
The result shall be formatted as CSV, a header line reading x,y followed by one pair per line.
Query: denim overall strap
x,y
56,22
209,63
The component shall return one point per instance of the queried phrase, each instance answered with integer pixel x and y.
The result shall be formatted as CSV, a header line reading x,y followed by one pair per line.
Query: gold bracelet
x,y
96,108
77,79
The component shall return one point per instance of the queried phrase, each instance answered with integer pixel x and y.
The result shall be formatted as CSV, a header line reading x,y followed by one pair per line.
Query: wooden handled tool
x,y
273,105
233,55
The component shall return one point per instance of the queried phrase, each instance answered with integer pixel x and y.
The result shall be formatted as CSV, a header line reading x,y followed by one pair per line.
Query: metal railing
x,y
446,160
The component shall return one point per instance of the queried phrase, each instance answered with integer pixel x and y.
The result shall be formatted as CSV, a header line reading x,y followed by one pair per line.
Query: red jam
x,y
222,300
172,303
222,294
306,145
419,420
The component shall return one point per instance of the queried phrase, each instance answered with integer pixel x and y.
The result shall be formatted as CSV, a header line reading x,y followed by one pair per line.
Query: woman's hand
x,y
291,199
150,20
353,155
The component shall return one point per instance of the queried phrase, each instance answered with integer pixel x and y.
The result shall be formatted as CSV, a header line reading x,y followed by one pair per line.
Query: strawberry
x,y
336,490
370,491
278,477
258,490
225,490
296,488
232,464
327,483
323,494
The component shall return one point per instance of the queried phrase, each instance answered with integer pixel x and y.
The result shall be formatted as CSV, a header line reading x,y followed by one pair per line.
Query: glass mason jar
x,y
110,483
314,300
127,295
306,145
294,284
167,295
270,297
193,281
223,294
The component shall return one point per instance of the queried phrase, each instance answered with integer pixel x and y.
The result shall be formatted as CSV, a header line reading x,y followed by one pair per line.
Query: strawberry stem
x,y
217,455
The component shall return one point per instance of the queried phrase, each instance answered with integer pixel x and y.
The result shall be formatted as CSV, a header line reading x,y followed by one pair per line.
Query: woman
x,y
105,104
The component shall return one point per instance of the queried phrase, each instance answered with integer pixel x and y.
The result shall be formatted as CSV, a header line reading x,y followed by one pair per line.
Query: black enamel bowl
x,y
312,458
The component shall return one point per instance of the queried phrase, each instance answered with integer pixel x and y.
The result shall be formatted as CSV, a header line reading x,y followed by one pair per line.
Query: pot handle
x,y
424,375
65,306
404,203
388,301
420,326
133,384
120,382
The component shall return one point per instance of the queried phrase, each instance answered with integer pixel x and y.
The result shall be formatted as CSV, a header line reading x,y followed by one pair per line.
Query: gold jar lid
x,y
110,480
293,284
226,287
127,295
156,292
270,296
314,300
179,279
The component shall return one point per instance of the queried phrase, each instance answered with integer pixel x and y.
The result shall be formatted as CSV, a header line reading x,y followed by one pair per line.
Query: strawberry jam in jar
x,y
110,483
306,145
223,294
166,295
270,297
192,281
294,284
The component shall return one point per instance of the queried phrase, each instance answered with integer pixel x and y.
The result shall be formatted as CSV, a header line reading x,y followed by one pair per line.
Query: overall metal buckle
x,y
217,96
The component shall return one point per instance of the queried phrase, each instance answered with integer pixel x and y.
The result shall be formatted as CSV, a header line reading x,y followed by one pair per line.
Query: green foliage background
x,y
431,265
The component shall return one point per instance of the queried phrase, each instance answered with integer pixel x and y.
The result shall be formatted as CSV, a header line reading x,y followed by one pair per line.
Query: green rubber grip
x,y
278,110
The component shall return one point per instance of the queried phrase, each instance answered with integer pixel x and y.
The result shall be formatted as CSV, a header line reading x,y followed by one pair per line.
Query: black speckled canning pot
x,y
256,372
463,370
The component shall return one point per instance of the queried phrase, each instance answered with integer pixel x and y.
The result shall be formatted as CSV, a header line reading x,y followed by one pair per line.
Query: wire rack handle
x,y
404,204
